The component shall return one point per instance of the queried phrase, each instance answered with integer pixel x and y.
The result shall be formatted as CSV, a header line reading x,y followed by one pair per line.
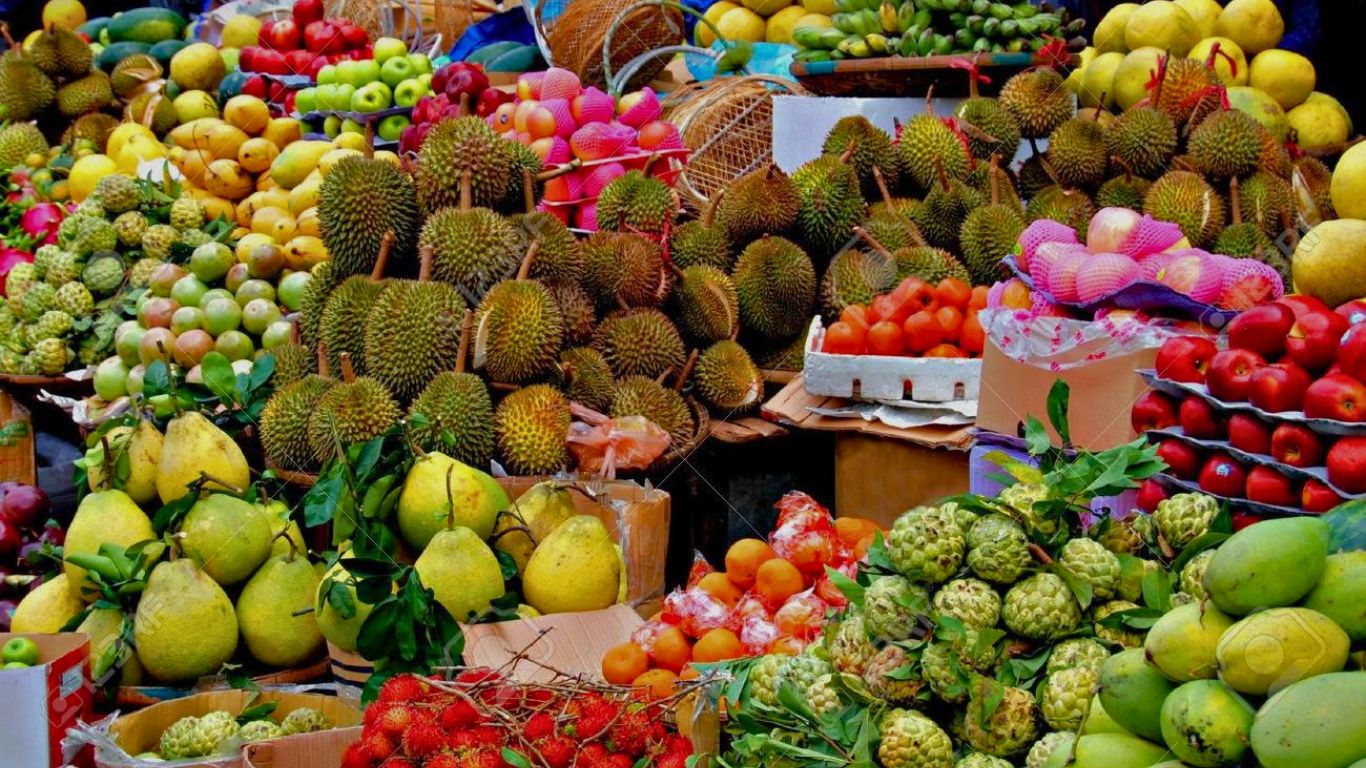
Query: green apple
x,y
408,92
187,319
20,650
327,75
304,101
346,72
386,48
395,71
230,56
345,93
291,290
188,290
277,334
15,665
331,126
351,126
111,379
370,98
255,289
126,341
421,62
135,377
324,96
391,127
258,314
364,71
215,293
426,79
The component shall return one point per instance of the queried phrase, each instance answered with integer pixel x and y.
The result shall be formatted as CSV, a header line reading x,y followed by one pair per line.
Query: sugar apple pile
x,y
218,733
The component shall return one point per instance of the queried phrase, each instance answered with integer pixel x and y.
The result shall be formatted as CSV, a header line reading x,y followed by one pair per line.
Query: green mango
x,y
1268,565
1132,692
1272,649
1316,722
1110,750
1206,724
1341,593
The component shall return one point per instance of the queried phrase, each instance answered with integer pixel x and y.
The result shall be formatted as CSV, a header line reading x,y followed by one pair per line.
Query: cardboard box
x,y
1103,392
307,750
573,643
41,702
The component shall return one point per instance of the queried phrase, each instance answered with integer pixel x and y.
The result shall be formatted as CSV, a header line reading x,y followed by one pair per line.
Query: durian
x,y
831,204
341,328
460,148
1069,206
578,315
359,201
786,355
869,147
894,229
87,94
18,141
990,127
776,286
1311,183
1123,191
94,127
1144,139
520,331
855,277
642,396
989,233
25,90
634,202
133,73
1033,176
727,379
1268,202
285,420
707,305
316,292
946,206
1038,101
532,426
412,334
560,258
587,378
624,268
928,264
60,53
1245,239
928,149
349,412
1226,144
473,249
1077,153
762,202
1186,199
1183,83
459,418
153,109
702,242
292,363
639,342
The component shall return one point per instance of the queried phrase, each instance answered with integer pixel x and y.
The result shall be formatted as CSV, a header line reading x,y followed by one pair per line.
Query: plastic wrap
x,y
1059,343
603,446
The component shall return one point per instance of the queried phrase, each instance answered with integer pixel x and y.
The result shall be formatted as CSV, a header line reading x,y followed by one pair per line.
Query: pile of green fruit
x,y
865,28
220,733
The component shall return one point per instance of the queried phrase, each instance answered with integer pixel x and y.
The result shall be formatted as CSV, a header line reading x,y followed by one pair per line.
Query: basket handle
x,y
627,11
628,70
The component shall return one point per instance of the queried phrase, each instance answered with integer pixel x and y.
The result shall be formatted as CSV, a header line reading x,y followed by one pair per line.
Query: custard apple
x,y
979,760
10,360
140,276
118,193
20,277
998,549
64,268
892,677
1119,536
912,740
37,300
1179,599
187,213
7,318
971,601
129,228
1144,526
1089,561
803,670
1050,744
194,237
1065,697
1022,498
893,605
1010,729
84,234
74,299
1122,636
823,696
926,545
1185,517
1193,574
1077,653
215,733
103,276
961,515
157,241
52,325
940,670
177,741
304,720
91,206
260,730
43,257
849,647
764,679
1041,607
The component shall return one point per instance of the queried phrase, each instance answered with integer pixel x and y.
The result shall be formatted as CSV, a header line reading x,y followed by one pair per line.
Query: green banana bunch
x,y
887,18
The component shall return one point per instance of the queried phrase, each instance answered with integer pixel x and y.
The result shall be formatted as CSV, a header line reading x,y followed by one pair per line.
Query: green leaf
x,y
1157,589
261,371
852,590
218,376
369,457
1037,441
1058,397
156,380
339,597
374,637
170,514
258,712
514,758
506,564
320,502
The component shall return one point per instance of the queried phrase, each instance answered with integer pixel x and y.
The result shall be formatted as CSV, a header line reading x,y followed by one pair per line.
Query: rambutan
x,y
356,756
619,760
669,760
422,739
458,715
403,688
476,675
395,720
631,733
539,726
557,752
373,713
486,758
378,746
592,756
487,736
397,762
443,761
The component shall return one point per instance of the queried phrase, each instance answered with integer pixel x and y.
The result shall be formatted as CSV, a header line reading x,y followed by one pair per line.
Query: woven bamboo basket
x,y
578,39
728,123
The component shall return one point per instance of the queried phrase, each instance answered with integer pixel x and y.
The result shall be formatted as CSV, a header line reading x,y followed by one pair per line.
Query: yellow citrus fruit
x,y
781,24
703,34
1231,63
64,13
86,173
741,24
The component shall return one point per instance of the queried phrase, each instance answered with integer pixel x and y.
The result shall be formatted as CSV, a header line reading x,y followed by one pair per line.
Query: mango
x,y
1272,649
1132,692
1268,565
1206,724
1317,722
1181,644
1099,721
1341,593
296,161
1110,750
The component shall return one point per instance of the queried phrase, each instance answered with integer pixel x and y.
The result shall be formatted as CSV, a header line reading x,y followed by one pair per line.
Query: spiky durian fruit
x,y
993,129
639,342
1124,191
831,204
18,141
776,285
727,379
87,94
762,202
1226,144
348,413
1033,176
95,126
946,206
24,90
1069,206
1144,139
559,257
60,53
642,396
314,301
522,158
1275,158
624,268
133,73
894,229
929,149
989,233
453,147
702,242
292,363
343,322
786,355
1311,183
577,314
412,334
1038,101
855,277
520,331
635,202
284,423
707,307
471,249
872,148
1245,239
1186,199
1267,201
459,417
360,199
532,427
1183,83
1077,153
928,264
587,378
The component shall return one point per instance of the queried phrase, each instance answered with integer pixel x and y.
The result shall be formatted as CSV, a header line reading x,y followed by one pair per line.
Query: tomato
x,y
972,338
953,292
921,331
884,338
944,350
888,307
844,339
917,293
951,320
856,314
979,298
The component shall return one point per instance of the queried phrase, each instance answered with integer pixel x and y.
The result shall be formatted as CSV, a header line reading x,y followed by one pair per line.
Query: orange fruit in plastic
x,y
672,649
786,646
744,558
658,683
778,580
719,586
852,530
624,663
717,645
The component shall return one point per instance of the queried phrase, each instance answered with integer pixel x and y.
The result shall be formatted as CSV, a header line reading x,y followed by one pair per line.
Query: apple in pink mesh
x,y
638,108
1152,236
1037,234
600,176
586,217
1103,274
659,134
592,106
1248,283
529,85
560,113
1152,265
1110,228
595,141
559,83
1046,255
1195,274
552,150
1062,276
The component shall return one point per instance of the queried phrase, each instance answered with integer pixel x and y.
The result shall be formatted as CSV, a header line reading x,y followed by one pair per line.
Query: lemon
x,y
1286,76
1255,25
1130,82
86,173
1073,81
1110,31
125,131
241,30
781,24
64,13
826,7
1318,124
1229,72
137,149
1262,107
1204,12
1349,184
815,20
703,34
1099,81
1161,24
766,8
741,24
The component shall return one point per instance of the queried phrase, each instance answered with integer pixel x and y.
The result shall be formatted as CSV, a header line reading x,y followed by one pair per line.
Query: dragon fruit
x,y
40,223
9,257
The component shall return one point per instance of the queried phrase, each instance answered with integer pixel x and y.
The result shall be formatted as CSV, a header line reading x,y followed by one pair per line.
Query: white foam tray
x,y
884,379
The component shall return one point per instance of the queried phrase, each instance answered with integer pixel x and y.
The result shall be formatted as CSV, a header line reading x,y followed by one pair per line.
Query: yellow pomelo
x,y
1162,24
741,24
781,24
1286,76
1110,31
1230,64
703,34
1255,25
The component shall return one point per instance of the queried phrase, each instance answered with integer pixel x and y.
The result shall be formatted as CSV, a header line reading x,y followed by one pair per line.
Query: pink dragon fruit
x,y
1104,274
8,258
40,223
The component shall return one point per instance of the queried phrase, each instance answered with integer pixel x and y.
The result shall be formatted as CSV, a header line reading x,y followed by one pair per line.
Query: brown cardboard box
x,y
42,701
1102,393
307,750
572,643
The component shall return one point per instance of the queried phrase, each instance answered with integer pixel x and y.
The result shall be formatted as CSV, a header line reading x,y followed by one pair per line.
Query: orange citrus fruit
x,y
672,649
777,580
744,558
717,645
624,663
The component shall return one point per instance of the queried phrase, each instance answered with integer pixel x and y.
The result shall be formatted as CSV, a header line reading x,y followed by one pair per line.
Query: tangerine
x,y
658,683
624,663
744,558
672,649
718,645
778,580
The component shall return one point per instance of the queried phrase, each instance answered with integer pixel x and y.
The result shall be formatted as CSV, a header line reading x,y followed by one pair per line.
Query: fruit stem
x,y
464,104
368,150
323,369
674,268
1236,196
205,478
709,216
1128,169
386,244
348,370
684,374
560,170
466,189
872,242
993,174
929,100
466,325
293,548
518,528
1291,233
108,461
1040,554
943,175
848,152
424,270
450,499
525,268
9,41
882,187
528,190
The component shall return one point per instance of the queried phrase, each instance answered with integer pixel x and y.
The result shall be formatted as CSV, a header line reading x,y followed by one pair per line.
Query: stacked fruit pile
x,y
1272,418
304,43
390,77
758,21
28,541
448,84
52,79
772,597
916,319
222,733
482,718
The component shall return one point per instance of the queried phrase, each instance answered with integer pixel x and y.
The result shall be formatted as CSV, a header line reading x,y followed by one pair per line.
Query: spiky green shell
x,y
18,141
1144,139
559,256
926,144
95,126
1312,183
642,396
1267,200
1247,240
316,292
941,217
624,267
1077,152
1185,80
855,277
989,233
186,213
1188,200
341,328
74,299
1007,193
578,315
1071,207
532,427
24,91
361,199
87,94
727,379
1037,100
460,418
873,148
990,119
1033,177
453,147
776,285
60,53
762,202
284,422
785,355
637,203
349,413
521,158
472,249
1226,144
696,244
639,342
1123,192
928,264
1275,158
708,308
587,377
893,229
831,204
519,331
292,363
413,333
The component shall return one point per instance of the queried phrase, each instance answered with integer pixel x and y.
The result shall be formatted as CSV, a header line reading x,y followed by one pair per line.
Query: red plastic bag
x,y
603,446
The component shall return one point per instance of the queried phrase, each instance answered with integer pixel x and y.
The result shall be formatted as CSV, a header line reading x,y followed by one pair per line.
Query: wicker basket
x,y
577,38
17,459
728,122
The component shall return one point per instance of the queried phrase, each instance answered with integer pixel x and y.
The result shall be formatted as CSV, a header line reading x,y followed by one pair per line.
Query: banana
x,y
887,17
1025,10
807,37
831,38
1001,11
845,22
877,43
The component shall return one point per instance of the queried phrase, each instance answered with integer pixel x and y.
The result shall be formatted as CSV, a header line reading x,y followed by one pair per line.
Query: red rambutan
x,y
557,752
631,733
356,756
458,715
395,720
378,746
539,726
422,739
403,688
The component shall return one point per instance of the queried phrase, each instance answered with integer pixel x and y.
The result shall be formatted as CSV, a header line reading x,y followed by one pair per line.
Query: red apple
x,y
307,12
1296,445
1316,496
1150,492
299,61
1262,329
1222,476
255,85
1336,396
1200,420
10,541
1279,387
1242,518
1352,352
1267,486
246,58
1185,358
316,34
1249,433
1347,464
354,36
1153,410
285,35
271,62
1354,311
263,34
1300,304
1183,459
1314,338
1230,373
25,506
